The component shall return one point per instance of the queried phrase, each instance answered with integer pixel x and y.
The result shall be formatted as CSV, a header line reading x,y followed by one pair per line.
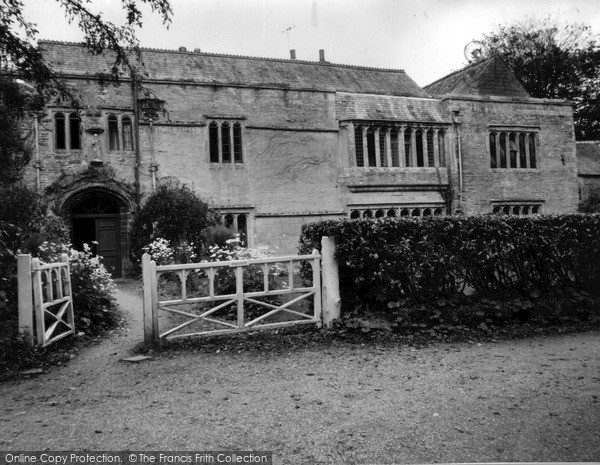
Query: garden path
x,y
528,400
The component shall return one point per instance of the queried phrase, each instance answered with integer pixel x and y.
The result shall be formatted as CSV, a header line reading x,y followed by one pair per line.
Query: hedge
x,y
421,259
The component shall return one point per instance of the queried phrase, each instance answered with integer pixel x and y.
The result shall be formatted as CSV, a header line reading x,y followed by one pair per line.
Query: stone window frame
x,y
517,207
403,145
240,220
117,138
225,148
513,147
396,211
65,137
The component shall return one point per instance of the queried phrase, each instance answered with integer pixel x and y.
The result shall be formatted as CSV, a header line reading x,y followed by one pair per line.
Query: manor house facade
x,y
274,144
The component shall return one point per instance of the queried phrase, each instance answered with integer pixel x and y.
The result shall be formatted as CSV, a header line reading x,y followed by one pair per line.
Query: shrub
x,y
162,253
225,278
25,222
175,214
218,235
92,286
225,282
425,259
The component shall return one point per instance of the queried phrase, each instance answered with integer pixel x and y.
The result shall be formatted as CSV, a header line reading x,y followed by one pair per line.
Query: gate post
x,y
25,297
239,290
332,302
150,326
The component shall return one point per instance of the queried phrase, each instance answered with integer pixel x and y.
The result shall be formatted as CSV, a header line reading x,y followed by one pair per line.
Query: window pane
x,y
522,151
430,154
493,150
532,160
512,145
127,134
237,143
59,131
213,142
394,147
371,147
225,142
442,147
358,146
419,139
502,150
242,225
408,146
113,133
74,129
382,147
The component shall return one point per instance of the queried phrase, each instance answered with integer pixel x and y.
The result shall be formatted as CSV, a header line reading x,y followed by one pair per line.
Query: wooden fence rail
x,y
45,300
324,290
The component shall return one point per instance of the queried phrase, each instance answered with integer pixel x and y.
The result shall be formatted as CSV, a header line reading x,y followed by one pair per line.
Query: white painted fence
x,y
207,309
45,300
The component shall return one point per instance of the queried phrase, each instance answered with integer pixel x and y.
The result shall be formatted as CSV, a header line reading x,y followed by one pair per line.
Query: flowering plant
x,y
92,286
160,251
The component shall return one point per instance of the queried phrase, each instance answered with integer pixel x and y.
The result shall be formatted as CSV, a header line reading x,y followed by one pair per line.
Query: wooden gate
x,y
230,296
45,300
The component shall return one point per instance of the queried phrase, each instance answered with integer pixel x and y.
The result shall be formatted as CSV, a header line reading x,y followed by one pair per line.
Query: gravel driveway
x,y
526,400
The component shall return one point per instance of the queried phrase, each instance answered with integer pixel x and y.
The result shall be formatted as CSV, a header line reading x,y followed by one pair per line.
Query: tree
x,y
21,54
22,64
16,99
174,213
553,60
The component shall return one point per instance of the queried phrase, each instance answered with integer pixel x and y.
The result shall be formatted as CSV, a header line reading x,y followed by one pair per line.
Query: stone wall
x,y
297,153
553,182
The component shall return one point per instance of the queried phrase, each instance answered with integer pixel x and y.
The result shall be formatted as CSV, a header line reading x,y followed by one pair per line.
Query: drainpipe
x,y
153,165
460,174
136,135
456,121
38,162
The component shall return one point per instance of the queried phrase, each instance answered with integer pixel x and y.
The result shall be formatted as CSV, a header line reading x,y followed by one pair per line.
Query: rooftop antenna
x,y
288,34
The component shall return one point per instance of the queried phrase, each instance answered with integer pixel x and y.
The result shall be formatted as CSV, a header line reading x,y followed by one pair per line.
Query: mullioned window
x,y
225,142
67,131
392,146
516,149
397,211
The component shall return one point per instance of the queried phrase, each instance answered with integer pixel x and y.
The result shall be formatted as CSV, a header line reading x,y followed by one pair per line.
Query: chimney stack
x,y
321,55
293,54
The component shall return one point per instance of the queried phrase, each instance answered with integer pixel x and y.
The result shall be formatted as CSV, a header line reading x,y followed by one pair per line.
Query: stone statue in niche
x,y
95,128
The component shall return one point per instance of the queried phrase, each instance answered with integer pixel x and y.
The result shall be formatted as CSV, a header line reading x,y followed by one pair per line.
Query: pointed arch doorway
x,y
96,220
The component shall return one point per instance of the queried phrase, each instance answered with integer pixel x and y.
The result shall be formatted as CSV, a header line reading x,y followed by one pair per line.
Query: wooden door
x,y
109,244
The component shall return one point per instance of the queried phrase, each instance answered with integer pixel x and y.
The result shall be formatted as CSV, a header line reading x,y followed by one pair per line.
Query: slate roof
x,y
74,59
588,158
491,77
383,107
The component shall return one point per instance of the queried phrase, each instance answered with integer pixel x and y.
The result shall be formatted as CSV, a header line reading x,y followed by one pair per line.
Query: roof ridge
x,y
246,57
471,65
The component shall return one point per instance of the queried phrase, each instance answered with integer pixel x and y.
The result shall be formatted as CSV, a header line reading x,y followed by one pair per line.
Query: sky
x,y
426,38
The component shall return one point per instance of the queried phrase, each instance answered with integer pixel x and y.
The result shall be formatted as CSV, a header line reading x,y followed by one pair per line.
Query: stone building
x,y
274,144
588,169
